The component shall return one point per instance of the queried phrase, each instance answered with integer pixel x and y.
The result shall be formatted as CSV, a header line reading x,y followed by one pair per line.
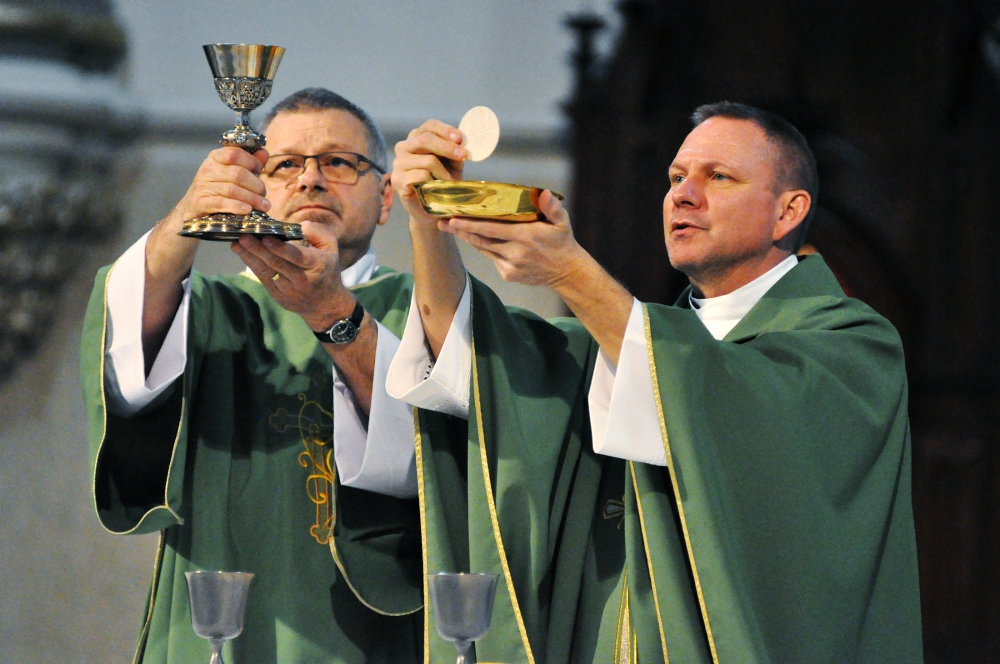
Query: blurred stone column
x,y
66,124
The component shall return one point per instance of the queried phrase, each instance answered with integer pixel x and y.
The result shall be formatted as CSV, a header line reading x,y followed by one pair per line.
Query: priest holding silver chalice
x,y
244,417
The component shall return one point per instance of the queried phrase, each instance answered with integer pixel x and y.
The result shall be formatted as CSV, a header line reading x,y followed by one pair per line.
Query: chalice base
x,y
225,227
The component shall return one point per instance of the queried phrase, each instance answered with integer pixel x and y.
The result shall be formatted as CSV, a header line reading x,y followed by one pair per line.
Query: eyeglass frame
x,y
362,159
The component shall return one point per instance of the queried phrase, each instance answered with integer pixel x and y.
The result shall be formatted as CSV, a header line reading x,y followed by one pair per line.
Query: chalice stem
x,y
463,651
216,651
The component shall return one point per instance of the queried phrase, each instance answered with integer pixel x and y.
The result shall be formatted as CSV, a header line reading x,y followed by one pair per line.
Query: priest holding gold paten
x,y
722,480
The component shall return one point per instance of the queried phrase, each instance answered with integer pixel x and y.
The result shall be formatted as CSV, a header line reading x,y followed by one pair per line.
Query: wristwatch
x,y
344,330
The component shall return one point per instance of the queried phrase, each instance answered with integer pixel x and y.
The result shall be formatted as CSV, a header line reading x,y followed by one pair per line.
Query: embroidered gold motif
x,y
315,425
615,509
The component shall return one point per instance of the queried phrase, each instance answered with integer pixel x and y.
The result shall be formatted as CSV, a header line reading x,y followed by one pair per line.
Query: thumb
x,y
551,207
320,236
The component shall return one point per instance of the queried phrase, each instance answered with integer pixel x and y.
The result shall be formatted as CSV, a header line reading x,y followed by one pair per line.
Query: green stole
x,y
517,489
234,469
780,530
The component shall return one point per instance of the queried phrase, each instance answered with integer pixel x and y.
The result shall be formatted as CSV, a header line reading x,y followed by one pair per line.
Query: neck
x,y
723,280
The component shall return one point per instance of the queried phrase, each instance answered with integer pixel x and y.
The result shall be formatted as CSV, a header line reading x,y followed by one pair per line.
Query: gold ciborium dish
x,y
243,76
495,201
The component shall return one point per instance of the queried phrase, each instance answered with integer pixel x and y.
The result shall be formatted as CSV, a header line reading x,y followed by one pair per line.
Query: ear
x,y
793,208
388,195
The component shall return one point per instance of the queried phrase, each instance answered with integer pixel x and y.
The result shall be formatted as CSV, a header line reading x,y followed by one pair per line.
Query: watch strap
x,y
354,320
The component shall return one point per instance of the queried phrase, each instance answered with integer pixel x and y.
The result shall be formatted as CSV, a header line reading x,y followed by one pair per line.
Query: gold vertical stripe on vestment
x,y
625,642
649,563
676,488
484,457
144,634
421,498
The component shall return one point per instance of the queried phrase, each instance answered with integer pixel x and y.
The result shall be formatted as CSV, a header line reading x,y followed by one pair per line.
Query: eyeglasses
x,y
339,167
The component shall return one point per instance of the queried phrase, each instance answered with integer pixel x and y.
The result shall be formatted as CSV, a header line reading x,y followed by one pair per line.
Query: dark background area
x,y
901,104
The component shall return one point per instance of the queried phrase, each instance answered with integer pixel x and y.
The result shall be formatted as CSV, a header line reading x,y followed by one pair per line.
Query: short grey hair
x,y
321,99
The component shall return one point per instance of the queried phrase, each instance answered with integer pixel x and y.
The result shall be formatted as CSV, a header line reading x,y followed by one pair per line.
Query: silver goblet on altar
x,y
218,603
463,605
243,77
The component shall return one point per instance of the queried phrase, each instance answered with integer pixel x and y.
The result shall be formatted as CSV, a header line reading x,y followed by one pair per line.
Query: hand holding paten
x,y
432,151
302,278
538,253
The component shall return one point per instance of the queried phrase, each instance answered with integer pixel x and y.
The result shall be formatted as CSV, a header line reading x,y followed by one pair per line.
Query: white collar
x,y
358,273
361,271
721,314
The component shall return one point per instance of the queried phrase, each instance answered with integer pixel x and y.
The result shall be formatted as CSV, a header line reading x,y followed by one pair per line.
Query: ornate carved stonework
x,y
65,133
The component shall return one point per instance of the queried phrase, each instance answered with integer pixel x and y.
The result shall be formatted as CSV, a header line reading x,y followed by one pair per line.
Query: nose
x,y
686,193
311,178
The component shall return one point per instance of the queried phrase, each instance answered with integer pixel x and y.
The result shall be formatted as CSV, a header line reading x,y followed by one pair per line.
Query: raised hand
x,y
432,151
303,279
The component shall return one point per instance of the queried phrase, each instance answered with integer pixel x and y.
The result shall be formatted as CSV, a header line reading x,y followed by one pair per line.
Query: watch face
x,y
343,331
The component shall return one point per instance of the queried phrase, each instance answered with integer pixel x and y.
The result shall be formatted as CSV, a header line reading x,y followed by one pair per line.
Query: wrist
x,y
339,309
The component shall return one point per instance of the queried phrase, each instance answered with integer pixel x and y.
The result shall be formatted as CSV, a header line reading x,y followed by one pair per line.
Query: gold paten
x,y
481,200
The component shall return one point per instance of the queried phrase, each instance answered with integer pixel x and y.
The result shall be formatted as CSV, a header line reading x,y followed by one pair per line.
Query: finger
x,y
321,236
552,208
403,181
431,143
232,156
261,156
421,162
239,176
263,271
230,195
492,229
263,261
289,252
437,127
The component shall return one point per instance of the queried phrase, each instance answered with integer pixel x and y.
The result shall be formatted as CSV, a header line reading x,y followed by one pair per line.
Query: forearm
x,y
356,362
602,304
169,258
439,280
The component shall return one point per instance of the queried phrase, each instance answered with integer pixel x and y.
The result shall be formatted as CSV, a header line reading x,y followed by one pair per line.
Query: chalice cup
x,y
243,77
218,604
463,604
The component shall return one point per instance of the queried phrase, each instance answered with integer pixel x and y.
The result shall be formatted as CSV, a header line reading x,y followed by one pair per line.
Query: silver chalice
x,y
218,604
463,605
243,77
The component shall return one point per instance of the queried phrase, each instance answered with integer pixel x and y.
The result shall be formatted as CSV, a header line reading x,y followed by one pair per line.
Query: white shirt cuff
x,y
127,387
624,417
381,459
441,386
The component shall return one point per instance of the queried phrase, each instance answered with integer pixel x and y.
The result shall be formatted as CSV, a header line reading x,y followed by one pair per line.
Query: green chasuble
x,y
780,530
235,470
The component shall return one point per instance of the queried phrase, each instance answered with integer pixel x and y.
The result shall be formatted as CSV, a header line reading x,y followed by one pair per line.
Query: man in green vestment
x,y
245,417
764,487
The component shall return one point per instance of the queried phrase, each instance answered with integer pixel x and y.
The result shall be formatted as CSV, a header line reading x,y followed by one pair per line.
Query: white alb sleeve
x,y
624,417
128,389
441,385
381,459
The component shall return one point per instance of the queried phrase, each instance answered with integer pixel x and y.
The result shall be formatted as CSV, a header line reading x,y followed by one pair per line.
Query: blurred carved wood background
x,y
901,104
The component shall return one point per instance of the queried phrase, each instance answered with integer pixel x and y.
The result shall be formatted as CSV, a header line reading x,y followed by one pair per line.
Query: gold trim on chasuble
x,y
418,444
484,457
104,425
677,499
625,646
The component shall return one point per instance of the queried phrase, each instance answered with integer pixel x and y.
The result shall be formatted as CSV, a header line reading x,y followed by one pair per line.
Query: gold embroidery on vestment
x,y
315,425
